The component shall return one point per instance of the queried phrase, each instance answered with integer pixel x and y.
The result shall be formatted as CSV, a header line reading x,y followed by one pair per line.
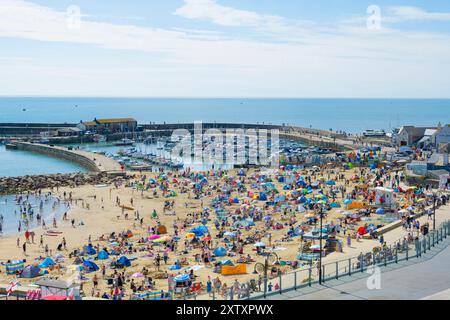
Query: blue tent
x,y
331,183
124,261
90,250
46,263
280,179
199,231
303,199
181,278
262,196
220,252
103,255
90,266
175,267
335,205
226,263
30,272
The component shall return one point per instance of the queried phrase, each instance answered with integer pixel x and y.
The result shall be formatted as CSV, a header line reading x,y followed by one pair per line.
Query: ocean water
x,y
351,115
10,210
20,163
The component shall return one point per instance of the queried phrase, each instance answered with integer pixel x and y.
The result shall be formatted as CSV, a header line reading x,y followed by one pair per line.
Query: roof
x,y
430,132
116,120
55,284
69,130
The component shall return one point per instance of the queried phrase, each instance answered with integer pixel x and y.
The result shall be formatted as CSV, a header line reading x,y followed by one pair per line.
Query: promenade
x,y
425,278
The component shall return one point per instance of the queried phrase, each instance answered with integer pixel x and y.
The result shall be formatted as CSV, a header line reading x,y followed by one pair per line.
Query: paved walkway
x,y
424,278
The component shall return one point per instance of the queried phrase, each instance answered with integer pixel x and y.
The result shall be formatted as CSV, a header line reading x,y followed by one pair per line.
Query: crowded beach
x,y
215,234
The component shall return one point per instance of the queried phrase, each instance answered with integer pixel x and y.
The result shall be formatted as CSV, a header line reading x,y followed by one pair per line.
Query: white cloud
x,y
406,13
347,61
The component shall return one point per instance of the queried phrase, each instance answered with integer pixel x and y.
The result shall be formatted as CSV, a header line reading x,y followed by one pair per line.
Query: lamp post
x,y
434,210
320,240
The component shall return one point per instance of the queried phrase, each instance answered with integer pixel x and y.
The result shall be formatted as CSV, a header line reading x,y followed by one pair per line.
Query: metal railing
x,y
303,278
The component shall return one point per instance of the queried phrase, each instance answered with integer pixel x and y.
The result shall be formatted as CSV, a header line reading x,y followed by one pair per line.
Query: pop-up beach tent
x,y
46,263
220,252
124,262
90,250
30,272
90,266
103,255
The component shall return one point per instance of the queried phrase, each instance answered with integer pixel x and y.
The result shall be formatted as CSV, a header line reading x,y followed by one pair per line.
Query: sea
x,y
349,115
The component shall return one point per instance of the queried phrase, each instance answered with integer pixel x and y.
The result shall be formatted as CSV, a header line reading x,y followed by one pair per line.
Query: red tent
x,y
362,231
55,297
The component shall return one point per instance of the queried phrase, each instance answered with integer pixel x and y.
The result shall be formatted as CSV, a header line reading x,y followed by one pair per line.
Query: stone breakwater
x,y
14,185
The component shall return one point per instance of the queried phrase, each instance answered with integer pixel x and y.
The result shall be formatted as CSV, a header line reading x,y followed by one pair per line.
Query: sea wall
x,y
15,185
91,161
59,153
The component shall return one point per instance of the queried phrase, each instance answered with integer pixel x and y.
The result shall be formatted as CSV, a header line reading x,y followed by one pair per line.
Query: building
x,y
109,125
50,287
442,137
409,135
69,132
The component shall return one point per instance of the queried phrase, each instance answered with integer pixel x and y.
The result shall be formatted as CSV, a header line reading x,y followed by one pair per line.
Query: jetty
x,y
91,161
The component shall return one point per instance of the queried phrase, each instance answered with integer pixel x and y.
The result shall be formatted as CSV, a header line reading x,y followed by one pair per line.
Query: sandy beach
x,y
96,215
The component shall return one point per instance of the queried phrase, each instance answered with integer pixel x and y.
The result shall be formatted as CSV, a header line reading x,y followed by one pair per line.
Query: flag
x,y
12,287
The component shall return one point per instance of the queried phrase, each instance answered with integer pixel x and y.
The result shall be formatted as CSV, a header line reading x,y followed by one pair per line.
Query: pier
x,y
91,161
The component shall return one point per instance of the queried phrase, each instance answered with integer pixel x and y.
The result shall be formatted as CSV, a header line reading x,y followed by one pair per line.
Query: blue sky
x,y
225,48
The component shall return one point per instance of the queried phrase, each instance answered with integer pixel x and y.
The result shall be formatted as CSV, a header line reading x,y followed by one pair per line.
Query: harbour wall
x,y
91,161
321,138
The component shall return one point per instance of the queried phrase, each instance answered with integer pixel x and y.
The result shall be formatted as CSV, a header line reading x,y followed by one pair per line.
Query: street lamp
x,y
320,240
434,210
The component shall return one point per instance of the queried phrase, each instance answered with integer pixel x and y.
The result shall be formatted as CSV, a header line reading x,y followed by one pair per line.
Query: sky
x,y
225,48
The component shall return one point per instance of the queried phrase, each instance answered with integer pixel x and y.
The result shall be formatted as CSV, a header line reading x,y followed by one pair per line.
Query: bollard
x,y
281,288
337,270
349,267
295,280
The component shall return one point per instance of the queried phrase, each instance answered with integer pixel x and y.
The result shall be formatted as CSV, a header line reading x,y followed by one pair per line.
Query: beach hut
x,y
30,272
51,288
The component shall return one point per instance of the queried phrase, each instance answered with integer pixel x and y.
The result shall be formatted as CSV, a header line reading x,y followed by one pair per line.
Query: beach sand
x,y
104,217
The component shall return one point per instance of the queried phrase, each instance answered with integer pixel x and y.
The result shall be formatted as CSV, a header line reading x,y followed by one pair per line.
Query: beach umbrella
x,y
181,278
190,235
331,183
380,211
348,201
267,218
153,237
335,205
207,238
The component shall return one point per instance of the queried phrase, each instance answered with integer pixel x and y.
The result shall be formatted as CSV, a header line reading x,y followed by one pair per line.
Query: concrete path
x,y
423,278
